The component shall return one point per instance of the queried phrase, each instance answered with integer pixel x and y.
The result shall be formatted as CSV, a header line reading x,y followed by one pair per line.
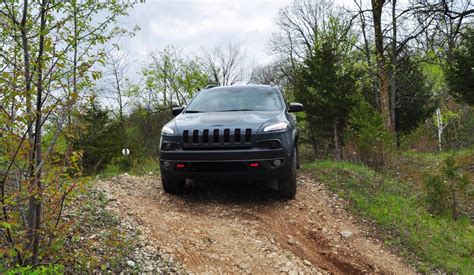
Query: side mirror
x,y
177,110
295,107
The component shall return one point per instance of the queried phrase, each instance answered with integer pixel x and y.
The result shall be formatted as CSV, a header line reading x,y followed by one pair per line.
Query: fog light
x,y
277,162
169,146
166,163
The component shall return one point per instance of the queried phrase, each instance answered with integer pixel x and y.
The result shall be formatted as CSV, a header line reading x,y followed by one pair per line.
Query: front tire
x,y
172,185
287,185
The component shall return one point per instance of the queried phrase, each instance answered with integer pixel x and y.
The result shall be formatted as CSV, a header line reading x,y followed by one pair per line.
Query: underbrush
x,y
91,240
401,211
96,241
134,166
417,168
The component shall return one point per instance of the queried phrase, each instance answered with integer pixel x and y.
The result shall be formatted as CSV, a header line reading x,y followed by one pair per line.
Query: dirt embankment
x,y
230,227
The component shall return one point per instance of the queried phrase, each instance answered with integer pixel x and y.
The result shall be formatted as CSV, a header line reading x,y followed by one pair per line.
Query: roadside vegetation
x,y
412,214
388,89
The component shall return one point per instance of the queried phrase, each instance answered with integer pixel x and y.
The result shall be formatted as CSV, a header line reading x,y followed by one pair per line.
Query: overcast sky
x,y
193,24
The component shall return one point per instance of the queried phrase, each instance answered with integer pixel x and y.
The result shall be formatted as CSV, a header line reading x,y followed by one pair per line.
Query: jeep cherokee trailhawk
x,y
232,132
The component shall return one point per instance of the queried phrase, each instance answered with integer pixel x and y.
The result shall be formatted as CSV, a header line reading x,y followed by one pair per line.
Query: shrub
x,y
446,192
44,269
367,139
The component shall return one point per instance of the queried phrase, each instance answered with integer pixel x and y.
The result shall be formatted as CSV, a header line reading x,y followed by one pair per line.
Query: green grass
x,y
438,241
437,156
137,167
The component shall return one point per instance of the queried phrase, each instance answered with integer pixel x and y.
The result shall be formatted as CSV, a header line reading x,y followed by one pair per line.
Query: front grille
x,y
216,138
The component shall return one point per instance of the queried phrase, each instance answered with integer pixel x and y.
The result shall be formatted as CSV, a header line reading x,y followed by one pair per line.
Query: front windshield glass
x,y
236,99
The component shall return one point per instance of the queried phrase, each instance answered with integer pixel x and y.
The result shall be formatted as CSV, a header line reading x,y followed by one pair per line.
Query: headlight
x,y
276,127
167,131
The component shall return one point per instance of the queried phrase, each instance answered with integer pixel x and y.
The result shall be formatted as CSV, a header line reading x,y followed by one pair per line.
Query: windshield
x,y
236,99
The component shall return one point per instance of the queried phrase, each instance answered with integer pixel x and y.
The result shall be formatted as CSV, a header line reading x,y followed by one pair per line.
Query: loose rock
x,y
346,234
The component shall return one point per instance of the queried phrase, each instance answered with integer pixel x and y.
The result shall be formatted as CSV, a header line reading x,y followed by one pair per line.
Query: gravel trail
x,y
226,227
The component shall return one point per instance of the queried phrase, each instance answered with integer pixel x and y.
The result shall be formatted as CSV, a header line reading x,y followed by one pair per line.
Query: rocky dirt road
x,y
229,227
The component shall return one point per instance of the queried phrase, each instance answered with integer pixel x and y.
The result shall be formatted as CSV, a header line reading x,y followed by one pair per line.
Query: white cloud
x,y
191,25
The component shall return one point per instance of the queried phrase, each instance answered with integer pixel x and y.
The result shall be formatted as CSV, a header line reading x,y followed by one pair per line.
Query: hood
x,y
222,120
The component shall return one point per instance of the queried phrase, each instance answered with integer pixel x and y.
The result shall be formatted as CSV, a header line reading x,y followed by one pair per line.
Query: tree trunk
x,y
439,122
337,141
393,77
377,6
31,216
367,56
121,120
37,199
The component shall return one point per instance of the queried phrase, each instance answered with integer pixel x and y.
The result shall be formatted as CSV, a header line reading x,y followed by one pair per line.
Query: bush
x,y
367,139
124,163
44,269
97,137
422,139
446,192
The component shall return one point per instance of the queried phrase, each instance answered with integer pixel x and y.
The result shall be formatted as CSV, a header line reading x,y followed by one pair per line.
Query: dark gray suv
x,y
233,132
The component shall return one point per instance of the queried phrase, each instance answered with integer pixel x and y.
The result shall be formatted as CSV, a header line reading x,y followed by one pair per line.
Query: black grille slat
x,y
215,136
237,136
186,136
196,136
226,135
214,139
205,136
248,134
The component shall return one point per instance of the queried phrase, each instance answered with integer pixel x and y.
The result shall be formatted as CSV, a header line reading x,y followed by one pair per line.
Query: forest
x,y
387,85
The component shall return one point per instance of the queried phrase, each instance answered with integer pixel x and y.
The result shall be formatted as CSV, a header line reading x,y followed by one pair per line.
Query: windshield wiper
x,y
192,111
236,110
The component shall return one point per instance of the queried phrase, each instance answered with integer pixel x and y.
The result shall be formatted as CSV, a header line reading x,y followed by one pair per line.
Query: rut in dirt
x,y
246,227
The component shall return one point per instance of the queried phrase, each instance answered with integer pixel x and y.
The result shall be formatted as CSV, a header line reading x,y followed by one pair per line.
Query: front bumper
x,y
225,164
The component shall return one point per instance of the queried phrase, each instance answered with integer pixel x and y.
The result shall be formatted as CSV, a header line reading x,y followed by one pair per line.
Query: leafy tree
x,y
325,84
47,51
144,126
413,97
460,74
366,134
170,79
98,138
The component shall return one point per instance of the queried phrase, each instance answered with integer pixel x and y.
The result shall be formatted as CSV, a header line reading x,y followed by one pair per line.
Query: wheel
x,y
287,185
173,186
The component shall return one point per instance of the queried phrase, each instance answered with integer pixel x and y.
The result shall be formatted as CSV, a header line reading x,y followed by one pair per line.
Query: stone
x,y
346,234
307,263
131,263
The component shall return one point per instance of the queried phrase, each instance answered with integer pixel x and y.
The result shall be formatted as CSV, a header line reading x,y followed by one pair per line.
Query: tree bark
x,y
31,216
337,141
37,199
393,77
368,56
440,124
377,6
